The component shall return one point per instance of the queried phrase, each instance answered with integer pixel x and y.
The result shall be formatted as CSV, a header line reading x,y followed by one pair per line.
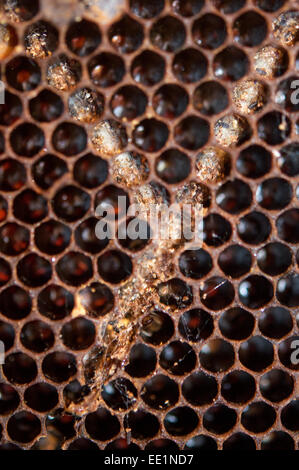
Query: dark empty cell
x,y
173,166
278,440
83,37
9,446
175,293
288,159
209,31
150,135
276,385
148,68
168,34
255,291
142,361
121,444
9,399
126,35
5,272
216,230
86,239
274,193
275,322
128,103
219,419
235,261
106,69
254,161
90,171
23,427
60,424
250,29
178,358
238,387
170,101
201,443
34,270
12,174
189,65
162,444
274,127
114,266
230,64
97,299
7,334
187,8
127,232
27,140
37,336
236,323
195,263
74,392
156,328
69,139
55,302
3,206
82,443
102,425
288,226
11,110
256,353
47,170
59,366
192,132
23,73
286,95
143,425
210,98
78,334
229,6
74,268
274,258
19,368
287,291
30,207
234,196
52,237
110,196
196,325
254,228
181,421
2,143
217,355
200,389
288,352
160,392
41,397
145,9
290,415
239,442
46,106
71,203
258,417
15,303
14,239
270,5
119,394
216,293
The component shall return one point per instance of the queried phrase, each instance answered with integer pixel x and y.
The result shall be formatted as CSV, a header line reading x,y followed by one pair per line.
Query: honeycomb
x,y
209,366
